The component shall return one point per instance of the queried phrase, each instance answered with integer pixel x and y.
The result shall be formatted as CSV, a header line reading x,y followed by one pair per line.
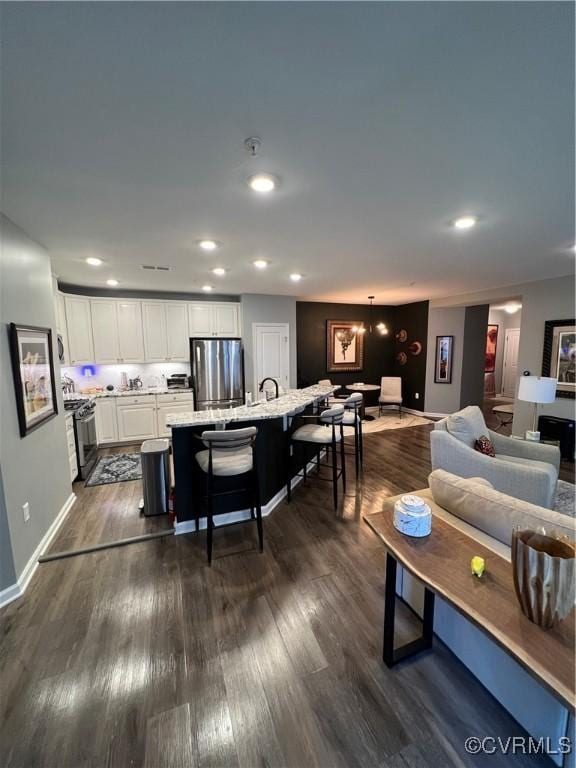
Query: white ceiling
x,y
123,130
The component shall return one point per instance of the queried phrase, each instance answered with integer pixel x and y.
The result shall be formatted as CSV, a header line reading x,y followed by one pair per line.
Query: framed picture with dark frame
x,y
559,355
33,372
491,346
344,345
443,366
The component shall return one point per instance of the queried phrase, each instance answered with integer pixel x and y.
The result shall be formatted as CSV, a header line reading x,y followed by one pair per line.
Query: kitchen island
x,y
273,457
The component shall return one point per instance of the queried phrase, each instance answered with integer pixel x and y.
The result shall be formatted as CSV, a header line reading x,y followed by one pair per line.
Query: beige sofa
x,y
476,508
522,469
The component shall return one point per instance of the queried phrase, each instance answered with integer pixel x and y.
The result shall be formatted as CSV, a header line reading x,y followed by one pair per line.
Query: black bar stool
x,y
230,453
327,434
352,410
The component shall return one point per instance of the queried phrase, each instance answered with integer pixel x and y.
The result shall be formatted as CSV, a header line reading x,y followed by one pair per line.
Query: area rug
x,y
388,420
565,498
116,468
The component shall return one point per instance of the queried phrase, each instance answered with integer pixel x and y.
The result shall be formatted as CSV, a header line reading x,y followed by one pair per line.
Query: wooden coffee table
x,y
441,562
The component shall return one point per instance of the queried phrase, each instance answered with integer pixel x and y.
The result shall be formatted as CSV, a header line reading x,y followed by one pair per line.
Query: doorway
x,y
271,353
510,362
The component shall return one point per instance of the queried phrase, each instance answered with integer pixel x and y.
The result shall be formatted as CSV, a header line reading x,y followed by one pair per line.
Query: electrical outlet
x,y
26,511
417,396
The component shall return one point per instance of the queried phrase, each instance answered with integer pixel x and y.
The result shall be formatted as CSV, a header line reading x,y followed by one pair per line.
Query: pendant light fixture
x,y
381,327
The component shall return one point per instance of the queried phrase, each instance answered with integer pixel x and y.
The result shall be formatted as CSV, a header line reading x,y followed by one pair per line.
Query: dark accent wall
x,y
379,351
472,382
311,320
413,318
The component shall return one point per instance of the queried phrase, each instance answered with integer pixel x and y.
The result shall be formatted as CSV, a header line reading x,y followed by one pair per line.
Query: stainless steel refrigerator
x,y
217,367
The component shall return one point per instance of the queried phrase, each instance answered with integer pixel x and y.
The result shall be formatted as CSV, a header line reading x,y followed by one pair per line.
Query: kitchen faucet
x,y
269,378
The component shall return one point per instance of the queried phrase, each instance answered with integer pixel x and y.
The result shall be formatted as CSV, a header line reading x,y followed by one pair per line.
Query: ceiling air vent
x,y
154,268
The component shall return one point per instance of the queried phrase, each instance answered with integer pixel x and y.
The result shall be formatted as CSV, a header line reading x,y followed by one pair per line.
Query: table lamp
x,y
536,390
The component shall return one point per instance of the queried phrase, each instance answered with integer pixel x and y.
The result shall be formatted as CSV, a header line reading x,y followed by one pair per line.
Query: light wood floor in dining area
x,y
145,656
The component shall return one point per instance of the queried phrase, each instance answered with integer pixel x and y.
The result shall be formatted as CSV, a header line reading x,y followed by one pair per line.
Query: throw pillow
x,y
467,425
485,445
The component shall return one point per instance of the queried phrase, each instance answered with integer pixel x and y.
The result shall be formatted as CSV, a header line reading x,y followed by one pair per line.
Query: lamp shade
x,y
537,389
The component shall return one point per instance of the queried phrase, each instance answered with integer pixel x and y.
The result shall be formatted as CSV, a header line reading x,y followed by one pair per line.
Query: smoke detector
x,y
252,145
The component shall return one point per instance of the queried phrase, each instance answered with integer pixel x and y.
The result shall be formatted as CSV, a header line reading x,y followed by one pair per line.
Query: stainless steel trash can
x,y
155,476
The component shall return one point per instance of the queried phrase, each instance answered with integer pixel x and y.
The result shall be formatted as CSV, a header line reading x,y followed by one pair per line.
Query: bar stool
x,y
352,410
230,453
326,434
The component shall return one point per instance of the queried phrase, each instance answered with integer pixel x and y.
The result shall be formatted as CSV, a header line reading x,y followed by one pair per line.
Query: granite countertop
x,y
286,404
127,393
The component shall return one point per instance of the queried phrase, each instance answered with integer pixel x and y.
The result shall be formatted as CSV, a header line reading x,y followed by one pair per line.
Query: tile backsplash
x,y
152,374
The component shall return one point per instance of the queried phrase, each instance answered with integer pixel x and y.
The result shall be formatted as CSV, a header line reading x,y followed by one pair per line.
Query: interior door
x,y
271,353
510,366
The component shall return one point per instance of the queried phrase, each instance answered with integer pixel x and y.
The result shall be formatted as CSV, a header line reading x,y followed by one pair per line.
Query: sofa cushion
x,y
467,425
491,511
542,466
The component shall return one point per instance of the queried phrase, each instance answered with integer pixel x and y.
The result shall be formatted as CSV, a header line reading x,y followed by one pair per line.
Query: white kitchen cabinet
x,y
136,418
165,331
200,320
61,329
154,324
106,424
105,331
213,319
130,335
170,404
177,338
79,327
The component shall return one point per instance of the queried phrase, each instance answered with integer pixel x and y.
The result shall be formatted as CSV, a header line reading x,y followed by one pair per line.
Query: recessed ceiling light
x,y
260,263
207,288
219,271
262,182
112,282
465,222
208,245
512,308
295,277
93,261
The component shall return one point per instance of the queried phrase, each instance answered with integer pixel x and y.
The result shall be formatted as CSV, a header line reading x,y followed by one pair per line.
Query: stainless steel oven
x,y
86,446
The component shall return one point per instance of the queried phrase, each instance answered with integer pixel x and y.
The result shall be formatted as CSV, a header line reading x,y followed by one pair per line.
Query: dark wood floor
x,y
144,656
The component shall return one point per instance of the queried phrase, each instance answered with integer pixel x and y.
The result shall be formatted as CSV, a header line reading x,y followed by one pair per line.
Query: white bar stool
x,y
229,453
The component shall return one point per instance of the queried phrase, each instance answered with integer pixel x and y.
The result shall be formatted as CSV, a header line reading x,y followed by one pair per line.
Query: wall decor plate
x,y
33,373
344,346
443,367
402,335
559,355
415,348
402,358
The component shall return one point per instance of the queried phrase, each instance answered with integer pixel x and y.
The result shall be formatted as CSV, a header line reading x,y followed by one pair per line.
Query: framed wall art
x,y
344,345
559,355
443,367
491,344
33,371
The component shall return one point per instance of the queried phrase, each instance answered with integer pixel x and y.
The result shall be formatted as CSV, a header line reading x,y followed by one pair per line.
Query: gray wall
x,y
504,321
541,301
34,468
7,572
473,357
260,308
444,398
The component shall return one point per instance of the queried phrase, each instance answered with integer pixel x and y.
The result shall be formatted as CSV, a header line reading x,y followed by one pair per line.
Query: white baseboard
x,y
15,591
188,526
425,414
